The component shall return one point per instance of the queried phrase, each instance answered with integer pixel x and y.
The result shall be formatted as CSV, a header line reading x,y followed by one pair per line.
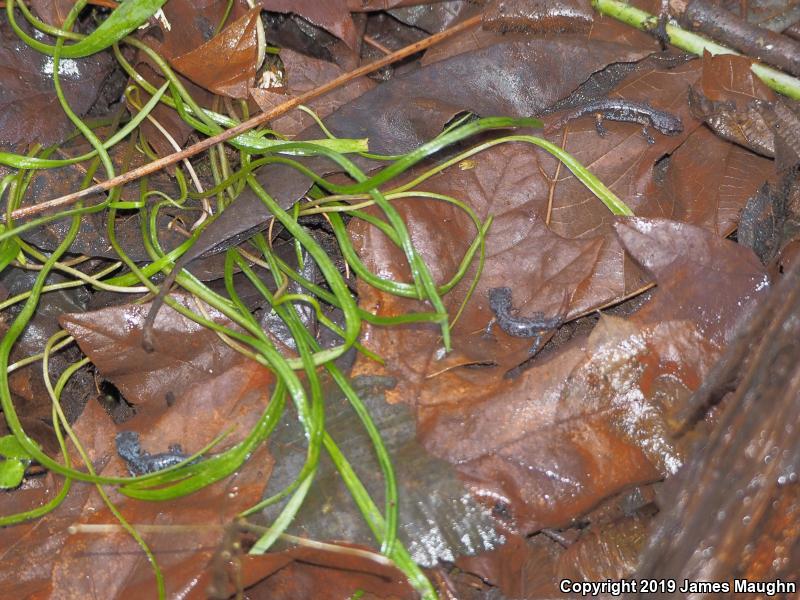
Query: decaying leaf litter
x,y
327,405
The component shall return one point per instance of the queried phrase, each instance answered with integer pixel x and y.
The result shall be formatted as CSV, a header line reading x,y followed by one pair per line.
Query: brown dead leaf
x,y
591,419
189,369
27,384
520,568
191,24
195,387
378,5
628,165
52,12
708,181
524,76
536,16
332,15
728,78
610,551
605,30
434,16
623,159
732,511
227,63
113,565
187,25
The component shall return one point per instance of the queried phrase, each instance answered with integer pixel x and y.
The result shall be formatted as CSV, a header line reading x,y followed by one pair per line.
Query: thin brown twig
x,y
368,39
246,125
552,182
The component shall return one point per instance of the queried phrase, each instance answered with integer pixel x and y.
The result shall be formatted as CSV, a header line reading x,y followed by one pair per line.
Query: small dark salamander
x,y
534,326
140,462
619,109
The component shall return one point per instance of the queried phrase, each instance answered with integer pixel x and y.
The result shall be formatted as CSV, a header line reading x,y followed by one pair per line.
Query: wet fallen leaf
x,y
588,419
438,521
738,498
557,454
522,568
52,12
435,16
190,365
607,552
27,384
186,26
31,112
227,63
707,182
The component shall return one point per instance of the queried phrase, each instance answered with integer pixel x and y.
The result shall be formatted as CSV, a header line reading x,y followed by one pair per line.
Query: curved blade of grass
x,y
124,19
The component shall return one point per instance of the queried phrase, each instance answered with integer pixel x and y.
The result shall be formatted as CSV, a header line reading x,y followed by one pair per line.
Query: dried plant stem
x,y
246,125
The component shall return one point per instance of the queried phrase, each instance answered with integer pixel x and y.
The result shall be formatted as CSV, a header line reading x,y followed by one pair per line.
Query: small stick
x,y
246,125
376,44
108,528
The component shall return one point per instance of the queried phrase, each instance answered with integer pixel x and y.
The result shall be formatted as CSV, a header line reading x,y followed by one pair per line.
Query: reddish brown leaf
x,y
415,108
521,568
707,183
561,16
608,30
44,555
729,78
199,388
228,62
432,17
607,552
590,420
191,24
375,5
112,565
332,15
52,12
189,369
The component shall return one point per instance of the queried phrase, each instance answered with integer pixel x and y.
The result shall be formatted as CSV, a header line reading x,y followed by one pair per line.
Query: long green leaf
x,y
128,16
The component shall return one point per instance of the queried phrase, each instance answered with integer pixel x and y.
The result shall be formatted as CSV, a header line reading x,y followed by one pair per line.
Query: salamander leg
x,y
487,333
537,343
598,125
660,30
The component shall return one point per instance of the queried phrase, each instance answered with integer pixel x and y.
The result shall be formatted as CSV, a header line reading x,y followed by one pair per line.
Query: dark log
x,y
725,27
733,511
